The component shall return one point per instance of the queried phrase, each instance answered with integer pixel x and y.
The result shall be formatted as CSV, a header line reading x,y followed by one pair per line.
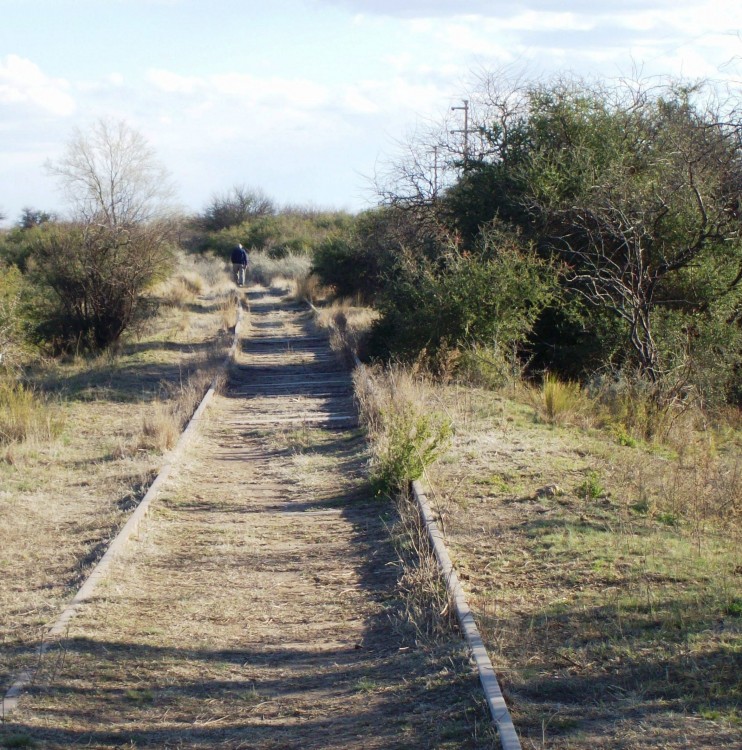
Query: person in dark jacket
x,y
240,260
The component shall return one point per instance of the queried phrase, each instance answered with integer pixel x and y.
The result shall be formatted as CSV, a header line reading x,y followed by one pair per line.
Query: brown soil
x,y
259,608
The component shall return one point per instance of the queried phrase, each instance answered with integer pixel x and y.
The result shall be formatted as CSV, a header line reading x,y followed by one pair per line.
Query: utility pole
x,y
465,131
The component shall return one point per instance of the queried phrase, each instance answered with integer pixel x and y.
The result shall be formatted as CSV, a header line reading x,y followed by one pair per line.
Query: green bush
x,y
409,442
491,299
347,266
289,232
12,323
90,283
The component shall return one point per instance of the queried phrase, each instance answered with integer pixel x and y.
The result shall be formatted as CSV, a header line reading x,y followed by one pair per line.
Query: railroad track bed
x,y
258,607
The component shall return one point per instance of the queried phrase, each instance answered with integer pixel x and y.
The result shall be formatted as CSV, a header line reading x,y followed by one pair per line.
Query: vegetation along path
x,y
259,606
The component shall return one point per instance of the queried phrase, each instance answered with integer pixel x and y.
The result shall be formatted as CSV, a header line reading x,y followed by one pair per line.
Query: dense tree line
x,y
589,227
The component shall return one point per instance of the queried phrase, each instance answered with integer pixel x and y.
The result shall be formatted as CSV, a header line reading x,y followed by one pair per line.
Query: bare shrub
x,y
93,279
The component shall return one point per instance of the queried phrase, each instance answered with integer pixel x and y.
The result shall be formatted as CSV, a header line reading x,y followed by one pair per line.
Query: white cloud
x,y
357,100
243,88
23,82
532,20
172,82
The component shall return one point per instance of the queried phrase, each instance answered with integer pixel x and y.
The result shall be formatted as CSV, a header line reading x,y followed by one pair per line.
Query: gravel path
x,y
259,607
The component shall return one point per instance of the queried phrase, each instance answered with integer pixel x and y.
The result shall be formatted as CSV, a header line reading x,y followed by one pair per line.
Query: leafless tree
x,y
98,267
111,176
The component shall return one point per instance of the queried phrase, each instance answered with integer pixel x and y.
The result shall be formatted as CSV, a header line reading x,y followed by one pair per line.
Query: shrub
x,y
489,367
404,434
592,487
349,267
491,299
12,333
91,280
409,441
234,208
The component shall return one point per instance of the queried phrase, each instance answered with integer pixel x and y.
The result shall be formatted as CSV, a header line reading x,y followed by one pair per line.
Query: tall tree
x,y
111,176
639,192
97,267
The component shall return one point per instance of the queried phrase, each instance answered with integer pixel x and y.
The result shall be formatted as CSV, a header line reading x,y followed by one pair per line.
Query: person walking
x,y
240,259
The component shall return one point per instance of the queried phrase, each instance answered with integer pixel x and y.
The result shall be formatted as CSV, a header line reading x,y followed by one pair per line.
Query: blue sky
x,y
305,98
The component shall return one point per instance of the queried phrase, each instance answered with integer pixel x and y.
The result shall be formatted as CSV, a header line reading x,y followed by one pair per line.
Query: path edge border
x,y
23,680
499,711
493,693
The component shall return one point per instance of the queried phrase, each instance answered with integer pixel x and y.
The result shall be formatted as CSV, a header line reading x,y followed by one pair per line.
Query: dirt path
x,y
258,609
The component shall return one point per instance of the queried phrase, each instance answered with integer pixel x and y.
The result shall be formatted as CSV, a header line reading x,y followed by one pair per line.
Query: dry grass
x,y
349,322
63,495
160,428
228,304
605,576
309,288
181,290
559,402
266,270
25,415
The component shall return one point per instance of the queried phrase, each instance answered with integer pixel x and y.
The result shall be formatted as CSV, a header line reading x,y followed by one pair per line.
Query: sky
x,y
304,99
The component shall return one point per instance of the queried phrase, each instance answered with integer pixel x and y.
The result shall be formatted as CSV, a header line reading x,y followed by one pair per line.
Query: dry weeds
x,y
63,498
349,322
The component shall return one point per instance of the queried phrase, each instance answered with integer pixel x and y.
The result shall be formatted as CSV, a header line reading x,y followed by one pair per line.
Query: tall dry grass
x,y
182,289
349,323
25,415
309,288
228,304
164,421
559,402
266,270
